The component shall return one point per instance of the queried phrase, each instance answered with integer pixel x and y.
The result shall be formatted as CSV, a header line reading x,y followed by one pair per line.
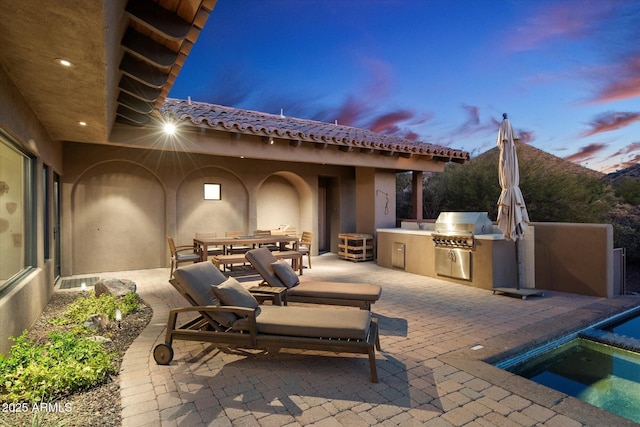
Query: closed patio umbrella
x,y
512,211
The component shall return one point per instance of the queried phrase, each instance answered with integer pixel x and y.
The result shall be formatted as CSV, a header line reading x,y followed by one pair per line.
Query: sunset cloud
x,y
350,112
473,125
388,121
623,165
586,153
626,150
526,136
626,83
606,122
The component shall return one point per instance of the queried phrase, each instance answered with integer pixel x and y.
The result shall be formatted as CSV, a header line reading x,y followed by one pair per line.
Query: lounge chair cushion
x,y
285,273
310,322
261,259
197,281
349,291
231,292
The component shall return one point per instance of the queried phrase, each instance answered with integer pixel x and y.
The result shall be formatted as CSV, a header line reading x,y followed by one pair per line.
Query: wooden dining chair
x,y
181,254
211,250
239,248
304,245
266,233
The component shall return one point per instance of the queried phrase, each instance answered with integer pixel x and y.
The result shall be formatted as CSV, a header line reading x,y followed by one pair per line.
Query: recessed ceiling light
x,y
82,123
63,62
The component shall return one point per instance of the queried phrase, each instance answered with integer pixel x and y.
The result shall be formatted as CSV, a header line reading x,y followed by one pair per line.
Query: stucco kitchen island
x,y
492,259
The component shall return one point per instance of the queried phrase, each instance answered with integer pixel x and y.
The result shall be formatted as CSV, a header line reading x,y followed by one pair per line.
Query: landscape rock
x,y
112,286
97,321
100,339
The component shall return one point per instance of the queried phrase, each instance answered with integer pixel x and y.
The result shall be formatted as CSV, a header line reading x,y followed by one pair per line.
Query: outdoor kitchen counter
x,y
494,236
492,261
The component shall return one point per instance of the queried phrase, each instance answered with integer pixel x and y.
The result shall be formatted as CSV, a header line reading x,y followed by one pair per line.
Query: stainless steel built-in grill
x,y
454,238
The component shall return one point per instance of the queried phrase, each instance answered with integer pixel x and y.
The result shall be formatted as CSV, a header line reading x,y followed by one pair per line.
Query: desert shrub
x,y
551,193
626,223
629,190
81,308
66,362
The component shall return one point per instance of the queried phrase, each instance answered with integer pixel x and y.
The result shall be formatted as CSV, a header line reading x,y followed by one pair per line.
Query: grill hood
x,y
464,222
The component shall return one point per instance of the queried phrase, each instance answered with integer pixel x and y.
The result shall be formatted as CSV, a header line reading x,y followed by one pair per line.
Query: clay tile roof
x,y
257,123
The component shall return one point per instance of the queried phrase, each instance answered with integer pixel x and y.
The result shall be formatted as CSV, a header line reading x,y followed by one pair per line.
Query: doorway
x,y
328,214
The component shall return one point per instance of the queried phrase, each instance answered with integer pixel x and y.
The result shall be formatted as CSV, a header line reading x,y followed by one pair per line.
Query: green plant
x,y
67,362
38,419
83,307
629,190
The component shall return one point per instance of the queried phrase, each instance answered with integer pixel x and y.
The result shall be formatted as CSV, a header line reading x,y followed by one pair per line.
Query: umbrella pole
x,y
518,291
517,265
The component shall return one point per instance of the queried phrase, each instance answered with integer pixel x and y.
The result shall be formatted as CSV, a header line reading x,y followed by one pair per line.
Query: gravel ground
x,y
97,406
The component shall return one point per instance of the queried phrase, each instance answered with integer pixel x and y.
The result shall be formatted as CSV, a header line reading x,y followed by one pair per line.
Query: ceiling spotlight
x,y
82,123
169,128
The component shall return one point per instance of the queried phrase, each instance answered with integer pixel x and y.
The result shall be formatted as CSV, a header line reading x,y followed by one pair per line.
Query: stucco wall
x,y
21,305
117,205
278,204
575,258
138,197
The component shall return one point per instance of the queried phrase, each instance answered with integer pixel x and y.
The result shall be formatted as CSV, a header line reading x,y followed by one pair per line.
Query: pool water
x,y
629,328
604,376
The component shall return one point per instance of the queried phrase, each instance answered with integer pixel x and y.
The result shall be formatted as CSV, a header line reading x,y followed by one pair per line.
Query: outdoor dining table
x,y
204,243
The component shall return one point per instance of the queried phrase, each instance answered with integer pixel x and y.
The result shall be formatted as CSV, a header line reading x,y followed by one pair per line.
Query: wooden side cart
x,y
355,246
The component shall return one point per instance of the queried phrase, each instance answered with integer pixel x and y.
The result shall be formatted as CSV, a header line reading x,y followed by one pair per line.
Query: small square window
x,y
212,192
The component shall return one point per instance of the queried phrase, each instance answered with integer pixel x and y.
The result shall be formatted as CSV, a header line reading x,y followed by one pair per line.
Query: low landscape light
x,y
64,62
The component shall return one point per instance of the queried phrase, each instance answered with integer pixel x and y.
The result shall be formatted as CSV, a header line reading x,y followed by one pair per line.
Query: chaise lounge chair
x,y
278,274
229,316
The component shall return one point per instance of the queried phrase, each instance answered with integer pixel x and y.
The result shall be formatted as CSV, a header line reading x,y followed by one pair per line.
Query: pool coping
x,y
480,360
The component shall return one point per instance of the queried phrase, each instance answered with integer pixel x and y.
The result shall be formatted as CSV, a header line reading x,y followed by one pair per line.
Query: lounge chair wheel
x,y
163,354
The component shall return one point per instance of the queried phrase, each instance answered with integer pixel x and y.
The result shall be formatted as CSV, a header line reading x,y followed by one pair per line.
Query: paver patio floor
x,y
429,375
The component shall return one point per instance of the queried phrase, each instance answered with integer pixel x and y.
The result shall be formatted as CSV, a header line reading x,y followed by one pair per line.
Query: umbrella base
x,y
521,292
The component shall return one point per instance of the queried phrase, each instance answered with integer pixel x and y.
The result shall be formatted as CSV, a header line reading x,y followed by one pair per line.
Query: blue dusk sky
x,y
438,71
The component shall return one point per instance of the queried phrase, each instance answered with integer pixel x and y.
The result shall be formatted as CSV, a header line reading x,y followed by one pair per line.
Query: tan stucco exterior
x,y
576,258
562,257
22,304
122,203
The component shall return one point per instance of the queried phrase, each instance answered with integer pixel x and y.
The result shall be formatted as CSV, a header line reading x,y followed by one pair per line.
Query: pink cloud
x,y
585,153
358,105
611,121
626,150
526,136
473,124
623,165
631,162
390,120
626,83
412,136
350,112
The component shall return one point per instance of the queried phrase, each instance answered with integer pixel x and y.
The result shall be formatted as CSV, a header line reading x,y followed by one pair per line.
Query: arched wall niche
x,y
285,198
118,218
195,214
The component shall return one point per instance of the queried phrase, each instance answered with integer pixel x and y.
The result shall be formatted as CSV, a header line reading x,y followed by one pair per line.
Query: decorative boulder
x,y
100,339
117,287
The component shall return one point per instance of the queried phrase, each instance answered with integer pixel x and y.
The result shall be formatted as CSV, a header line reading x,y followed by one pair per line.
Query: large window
x,y
17,226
